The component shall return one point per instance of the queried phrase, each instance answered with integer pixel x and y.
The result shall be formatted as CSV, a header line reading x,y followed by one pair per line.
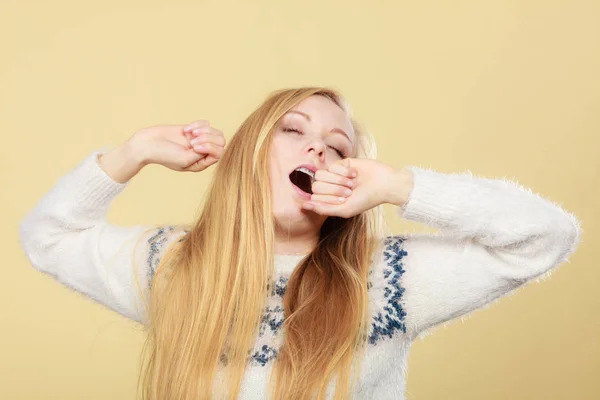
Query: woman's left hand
x,y
337,193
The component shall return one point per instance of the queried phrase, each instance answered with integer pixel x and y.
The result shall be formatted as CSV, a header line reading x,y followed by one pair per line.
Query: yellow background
x,y
507,88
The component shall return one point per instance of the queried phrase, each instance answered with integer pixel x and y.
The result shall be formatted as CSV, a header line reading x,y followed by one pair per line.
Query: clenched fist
x,y
193,147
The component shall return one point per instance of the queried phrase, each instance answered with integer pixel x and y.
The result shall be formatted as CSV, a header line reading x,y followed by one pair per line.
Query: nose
x,y
317,147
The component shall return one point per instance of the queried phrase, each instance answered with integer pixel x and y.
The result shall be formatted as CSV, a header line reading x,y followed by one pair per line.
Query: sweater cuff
x,y
93,188
434,197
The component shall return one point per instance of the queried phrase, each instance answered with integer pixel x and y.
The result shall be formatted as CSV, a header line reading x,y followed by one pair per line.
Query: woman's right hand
x,y
192,148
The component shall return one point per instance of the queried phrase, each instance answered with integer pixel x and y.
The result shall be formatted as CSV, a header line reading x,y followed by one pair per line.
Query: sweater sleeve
x,y
495,236
67,236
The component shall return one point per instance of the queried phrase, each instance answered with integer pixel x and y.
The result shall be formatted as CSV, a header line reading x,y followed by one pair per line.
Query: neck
x,y
300,244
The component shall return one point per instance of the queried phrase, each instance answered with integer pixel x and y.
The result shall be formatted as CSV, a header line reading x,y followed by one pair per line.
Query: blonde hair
x,y
210,290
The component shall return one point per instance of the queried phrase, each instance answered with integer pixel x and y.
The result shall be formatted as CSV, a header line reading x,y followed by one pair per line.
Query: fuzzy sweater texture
x,y
495,236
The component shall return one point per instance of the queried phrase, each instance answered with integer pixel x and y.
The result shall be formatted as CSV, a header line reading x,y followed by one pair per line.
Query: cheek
x,y
279,154
276,166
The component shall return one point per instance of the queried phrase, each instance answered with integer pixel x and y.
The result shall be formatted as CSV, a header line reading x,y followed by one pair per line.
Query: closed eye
x,y
292,130
339,152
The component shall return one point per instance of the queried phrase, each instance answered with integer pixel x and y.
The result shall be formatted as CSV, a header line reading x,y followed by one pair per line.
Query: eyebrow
x,y
338,130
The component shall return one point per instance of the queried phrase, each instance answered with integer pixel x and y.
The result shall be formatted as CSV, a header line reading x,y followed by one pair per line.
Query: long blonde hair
x,y
210,290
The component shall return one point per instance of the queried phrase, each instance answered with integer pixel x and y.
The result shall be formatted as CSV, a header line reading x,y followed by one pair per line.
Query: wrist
x,y
122,163
400,187
136,151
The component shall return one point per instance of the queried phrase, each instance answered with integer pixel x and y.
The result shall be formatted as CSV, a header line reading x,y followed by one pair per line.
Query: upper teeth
x,y
307,171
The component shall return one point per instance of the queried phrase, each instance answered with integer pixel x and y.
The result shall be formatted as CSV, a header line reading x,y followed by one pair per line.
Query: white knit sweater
x,y
495,237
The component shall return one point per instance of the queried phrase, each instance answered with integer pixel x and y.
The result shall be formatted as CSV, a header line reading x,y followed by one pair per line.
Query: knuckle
x,y
200,123
200,137
200,129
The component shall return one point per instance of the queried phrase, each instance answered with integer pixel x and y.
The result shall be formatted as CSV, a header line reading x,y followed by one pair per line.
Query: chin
x,y
291,212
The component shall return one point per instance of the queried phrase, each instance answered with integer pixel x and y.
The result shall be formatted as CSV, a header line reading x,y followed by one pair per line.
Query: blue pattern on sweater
x,y
157,242
386,324
272,319
264,355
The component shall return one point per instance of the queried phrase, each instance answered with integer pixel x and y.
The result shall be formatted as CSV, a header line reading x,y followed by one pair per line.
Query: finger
x,y
192,161
324,208
207,129
208,138
209,148
325,176
195,162
210,160
326,198
207,162
319,187
343,167
196,124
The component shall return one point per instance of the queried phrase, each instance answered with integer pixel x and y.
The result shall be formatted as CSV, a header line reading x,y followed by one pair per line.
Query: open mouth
x,y
303,178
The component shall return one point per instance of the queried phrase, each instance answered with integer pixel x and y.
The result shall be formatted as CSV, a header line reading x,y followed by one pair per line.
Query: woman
x,y
285,287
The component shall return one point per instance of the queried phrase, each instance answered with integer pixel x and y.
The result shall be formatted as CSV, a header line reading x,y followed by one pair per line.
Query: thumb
x,y
196,162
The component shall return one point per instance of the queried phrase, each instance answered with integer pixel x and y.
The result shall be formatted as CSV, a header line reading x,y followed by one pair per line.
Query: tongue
x,y
302,181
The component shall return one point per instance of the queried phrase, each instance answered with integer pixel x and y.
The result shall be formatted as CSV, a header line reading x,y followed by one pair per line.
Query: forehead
x,y
324,113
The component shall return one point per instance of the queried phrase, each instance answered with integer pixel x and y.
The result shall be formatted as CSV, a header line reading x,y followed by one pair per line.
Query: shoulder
x,y
386,289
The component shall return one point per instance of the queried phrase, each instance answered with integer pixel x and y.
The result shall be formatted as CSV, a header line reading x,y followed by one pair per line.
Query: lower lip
x,y
302,193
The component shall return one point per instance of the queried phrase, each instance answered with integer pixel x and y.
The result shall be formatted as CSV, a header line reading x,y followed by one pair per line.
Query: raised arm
x,y
67,236
495,237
